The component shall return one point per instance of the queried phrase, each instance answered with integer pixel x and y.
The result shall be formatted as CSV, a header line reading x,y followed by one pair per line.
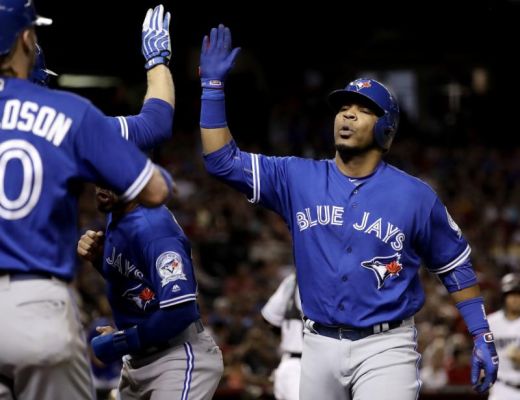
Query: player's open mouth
x,y
345,133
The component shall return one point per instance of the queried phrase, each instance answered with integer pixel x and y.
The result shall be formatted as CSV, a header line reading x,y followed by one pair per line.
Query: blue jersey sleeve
x,y
172,276
441,244
107,159
262,179
153,125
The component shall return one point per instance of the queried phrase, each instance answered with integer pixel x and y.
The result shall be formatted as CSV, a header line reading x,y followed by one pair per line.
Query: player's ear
x,y
28,42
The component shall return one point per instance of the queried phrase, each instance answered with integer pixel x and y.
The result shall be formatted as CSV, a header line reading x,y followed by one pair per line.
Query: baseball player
x,y
144,257
506,327
360,228
283,310
152,291
49,142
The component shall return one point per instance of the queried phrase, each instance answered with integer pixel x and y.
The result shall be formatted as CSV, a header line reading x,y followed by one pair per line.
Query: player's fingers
x,y
91,233
205,44
155,23
104,330
227,38
89,241
85,243
99,234
475,372
220,36
485,385
212,39
146,23
167,19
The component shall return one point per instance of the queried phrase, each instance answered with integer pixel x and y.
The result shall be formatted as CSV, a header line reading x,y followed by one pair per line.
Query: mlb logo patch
x,y
170,268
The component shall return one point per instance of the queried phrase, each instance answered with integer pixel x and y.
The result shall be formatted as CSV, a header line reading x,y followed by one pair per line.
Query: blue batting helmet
x,y
40,74
379,98
15,16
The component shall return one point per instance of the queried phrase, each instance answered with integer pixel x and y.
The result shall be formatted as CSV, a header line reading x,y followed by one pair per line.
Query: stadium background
x,y
454,67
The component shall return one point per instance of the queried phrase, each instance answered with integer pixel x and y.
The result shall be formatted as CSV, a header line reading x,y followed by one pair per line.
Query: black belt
x,y
25,276
295,355
351,333
511,384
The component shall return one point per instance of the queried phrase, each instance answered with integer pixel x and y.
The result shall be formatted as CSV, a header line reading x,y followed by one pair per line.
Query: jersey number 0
x,y
31,185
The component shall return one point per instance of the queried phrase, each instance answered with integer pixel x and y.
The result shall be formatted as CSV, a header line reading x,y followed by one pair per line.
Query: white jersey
x,y
507,337
275,311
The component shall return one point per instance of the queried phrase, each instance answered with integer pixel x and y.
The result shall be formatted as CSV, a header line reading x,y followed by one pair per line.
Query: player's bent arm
x,y
162,325
158,189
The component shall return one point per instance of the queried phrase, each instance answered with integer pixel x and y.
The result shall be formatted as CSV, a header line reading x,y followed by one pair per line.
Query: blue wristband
x,y
472,310
213,109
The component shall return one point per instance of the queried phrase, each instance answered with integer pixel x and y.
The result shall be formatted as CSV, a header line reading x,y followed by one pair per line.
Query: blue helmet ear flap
x,y
40,74
385,130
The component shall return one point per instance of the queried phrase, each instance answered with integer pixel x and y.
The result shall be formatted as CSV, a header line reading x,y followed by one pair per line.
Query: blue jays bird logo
x,y
141,295
362,84
383,267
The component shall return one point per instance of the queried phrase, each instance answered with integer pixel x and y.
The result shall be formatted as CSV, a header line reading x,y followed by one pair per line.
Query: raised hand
x,y
217,57
156,46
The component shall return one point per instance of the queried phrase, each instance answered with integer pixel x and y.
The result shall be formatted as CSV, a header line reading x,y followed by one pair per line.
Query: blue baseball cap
x,y
15,16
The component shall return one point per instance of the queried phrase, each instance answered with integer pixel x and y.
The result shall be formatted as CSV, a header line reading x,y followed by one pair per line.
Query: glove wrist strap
x,y
211,83
153,62
472,310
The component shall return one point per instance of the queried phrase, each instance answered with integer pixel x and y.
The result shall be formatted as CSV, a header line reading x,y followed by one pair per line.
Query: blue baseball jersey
x,y
357,243
150,127
49,142
146,264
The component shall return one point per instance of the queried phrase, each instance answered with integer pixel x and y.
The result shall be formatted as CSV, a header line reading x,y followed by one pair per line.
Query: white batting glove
x,y
156,46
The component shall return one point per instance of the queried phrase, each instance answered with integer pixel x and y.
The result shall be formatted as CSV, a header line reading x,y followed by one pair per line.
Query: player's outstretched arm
x,y
484,359
156,49
153,125
216,61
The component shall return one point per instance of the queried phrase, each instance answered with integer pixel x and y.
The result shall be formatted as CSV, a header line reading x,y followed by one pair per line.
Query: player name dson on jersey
x,y
42,121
